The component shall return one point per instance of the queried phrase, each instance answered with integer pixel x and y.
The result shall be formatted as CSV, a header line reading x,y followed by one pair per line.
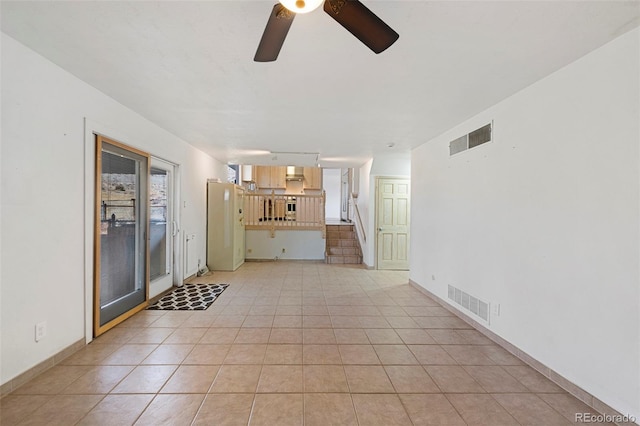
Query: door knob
x,y
379,229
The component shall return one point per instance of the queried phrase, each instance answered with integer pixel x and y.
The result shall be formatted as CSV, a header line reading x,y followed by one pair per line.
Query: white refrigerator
x,y
225,226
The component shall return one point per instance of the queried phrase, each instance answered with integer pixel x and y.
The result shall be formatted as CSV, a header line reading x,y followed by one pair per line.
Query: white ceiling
x,y
188,66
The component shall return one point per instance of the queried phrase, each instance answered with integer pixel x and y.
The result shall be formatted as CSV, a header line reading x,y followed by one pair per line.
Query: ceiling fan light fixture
x,y
301,6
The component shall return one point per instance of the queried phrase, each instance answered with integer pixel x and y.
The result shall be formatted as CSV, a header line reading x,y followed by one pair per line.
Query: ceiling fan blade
x,y
274,34
362,23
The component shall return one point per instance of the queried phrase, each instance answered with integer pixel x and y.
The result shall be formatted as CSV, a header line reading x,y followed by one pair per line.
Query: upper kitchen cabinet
x,y
262,176
312,178
270,177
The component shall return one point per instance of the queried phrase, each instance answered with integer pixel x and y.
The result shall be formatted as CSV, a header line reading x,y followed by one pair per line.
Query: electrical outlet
x,y
41,330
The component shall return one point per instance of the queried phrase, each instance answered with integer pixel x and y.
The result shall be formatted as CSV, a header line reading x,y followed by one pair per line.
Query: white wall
x,y
396,164
545,221
365,203
389,165
44,195
197,168
331,179
298,245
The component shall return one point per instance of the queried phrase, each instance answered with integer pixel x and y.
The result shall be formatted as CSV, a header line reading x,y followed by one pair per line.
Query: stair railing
x,y
356,212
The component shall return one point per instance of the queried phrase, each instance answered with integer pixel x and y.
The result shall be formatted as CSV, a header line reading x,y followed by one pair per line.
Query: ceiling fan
x,y
351,14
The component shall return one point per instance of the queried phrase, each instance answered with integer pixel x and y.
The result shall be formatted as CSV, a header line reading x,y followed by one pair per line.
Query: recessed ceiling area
x,y
188,67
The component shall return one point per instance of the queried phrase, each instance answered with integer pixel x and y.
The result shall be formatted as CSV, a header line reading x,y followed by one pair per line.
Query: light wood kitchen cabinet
x,y
312,178
268,209
262,176
279,177
270,177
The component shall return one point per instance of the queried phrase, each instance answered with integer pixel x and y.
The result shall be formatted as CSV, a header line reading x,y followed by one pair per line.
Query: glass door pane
x,y
160,223
121,249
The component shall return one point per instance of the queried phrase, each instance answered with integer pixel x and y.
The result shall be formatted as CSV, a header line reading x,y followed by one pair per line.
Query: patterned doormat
x,y
190,297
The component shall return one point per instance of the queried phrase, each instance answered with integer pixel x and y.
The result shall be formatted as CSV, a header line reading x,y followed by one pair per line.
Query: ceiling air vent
x,y
471,140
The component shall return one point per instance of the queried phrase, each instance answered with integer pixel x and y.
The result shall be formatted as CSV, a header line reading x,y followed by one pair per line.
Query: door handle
x,y
174,225
379,229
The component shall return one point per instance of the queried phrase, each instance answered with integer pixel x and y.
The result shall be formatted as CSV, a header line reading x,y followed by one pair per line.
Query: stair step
x,y
339,228
341,235
340,259
343,251
342,245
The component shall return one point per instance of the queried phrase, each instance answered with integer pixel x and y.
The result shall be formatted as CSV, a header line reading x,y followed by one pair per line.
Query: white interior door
x,y
163,228
392,223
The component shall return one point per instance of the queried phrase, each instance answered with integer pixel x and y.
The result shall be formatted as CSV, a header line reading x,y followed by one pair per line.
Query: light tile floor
x,y
295,343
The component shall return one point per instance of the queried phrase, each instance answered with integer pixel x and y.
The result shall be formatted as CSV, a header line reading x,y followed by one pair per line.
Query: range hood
x,y
295,173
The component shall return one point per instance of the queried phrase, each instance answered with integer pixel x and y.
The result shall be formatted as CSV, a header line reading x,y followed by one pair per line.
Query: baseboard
x,y
549,373
32,372
286,260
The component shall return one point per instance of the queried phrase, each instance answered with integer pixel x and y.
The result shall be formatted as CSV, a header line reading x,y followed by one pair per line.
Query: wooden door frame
x,y
97,328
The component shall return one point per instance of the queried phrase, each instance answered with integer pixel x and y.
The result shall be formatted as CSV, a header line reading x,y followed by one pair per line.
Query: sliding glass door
x,y
121,242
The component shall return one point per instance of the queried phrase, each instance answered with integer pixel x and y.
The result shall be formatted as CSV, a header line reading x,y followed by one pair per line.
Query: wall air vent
x,y
469,303
459,145
471,140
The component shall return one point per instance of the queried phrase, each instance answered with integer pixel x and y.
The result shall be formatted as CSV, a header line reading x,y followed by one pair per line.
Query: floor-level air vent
x,y
470,303
471,140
